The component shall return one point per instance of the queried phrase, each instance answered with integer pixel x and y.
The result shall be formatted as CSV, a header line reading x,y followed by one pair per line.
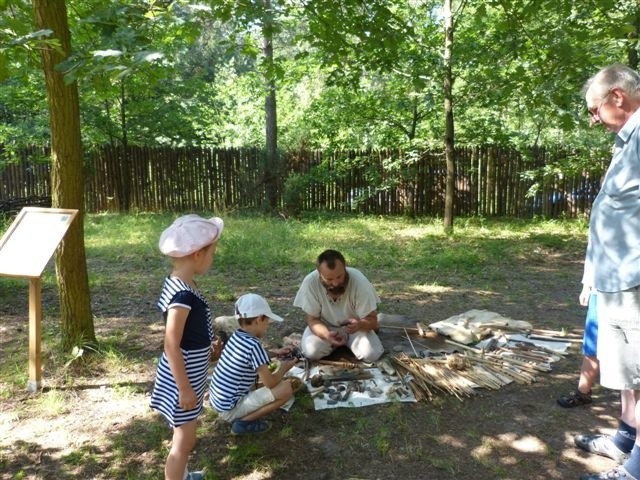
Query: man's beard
x,y
337,289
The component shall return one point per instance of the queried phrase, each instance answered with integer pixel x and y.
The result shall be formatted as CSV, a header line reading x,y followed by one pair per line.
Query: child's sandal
x,y
247,427
199,475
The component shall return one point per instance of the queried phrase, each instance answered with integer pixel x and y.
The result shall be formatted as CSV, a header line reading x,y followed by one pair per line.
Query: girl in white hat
x,y
182,369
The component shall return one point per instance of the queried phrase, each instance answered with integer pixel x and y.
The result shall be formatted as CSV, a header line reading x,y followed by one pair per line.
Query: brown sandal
x,y
575,399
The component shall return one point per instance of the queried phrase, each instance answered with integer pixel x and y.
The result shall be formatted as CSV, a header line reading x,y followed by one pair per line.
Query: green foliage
x,y
295,192
23,112
349,74
18,44
547,50
377,63
79,352
132,36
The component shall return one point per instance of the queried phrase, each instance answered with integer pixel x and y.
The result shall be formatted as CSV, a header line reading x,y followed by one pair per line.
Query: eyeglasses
x,y
594,112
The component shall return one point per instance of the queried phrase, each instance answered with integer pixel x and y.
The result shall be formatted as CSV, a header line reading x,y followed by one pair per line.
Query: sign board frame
x,y
25,249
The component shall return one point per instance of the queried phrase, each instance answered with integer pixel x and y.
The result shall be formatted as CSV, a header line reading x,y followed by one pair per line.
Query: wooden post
x,y
35,329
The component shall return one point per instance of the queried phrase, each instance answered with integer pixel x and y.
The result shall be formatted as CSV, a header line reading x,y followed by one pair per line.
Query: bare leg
x,y
589,371
588,374
630,402
184,439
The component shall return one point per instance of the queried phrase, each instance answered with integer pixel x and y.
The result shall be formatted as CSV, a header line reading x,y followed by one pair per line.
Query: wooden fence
x,y
490,181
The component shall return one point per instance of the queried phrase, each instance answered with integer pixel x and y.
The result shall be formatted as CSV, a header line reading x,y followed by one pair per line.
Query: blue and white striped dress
x,y
195,346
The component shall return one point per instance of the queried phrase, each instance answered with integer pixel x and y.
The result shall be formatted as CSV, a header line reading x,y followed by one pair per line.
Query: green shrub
x,y
295,187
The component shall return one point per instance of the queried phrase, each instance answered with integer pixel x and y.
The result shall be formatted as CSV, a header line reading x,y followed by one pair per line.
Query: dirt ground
x,y
91,423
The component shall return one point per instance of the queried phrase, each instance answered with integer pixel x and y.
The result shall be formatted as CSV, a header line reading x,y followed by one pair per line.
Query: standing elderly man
x,y
613,264
340,306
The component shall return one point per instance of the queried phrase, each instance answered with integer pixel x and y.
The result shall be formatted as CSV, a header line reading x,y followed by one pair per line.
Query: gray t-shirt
x,y
613,252
358,300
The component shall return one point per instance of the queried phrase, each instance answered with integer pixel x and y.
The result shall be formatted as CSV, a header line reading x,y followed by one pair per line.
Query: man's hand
x,y
352,325
584,295
337,338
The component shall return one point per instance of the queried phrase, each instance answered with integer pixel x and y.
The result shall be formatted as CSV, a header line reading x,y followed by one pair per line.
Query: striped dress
x,y
195,346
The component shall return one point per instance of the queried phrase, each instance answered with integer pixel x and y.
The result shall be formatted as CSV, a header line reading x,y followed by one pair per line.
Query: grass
x,y
265,253
123,259
51,403
124,264
413,263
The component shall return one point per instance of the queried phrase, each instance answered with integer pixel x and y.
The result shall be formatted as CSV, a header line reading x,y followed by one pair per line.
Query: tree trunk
x,y
124,180
67,179
271,120
448,115
633,42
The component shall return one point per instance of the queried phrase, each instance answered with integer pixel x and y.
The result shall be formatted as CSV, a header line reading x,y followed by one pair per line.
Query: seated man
x,y
340,304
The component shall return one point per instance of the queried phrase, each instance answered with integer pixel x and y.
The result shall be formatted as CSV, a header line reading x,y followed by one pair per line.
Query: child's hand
x,y
283,352
187,399
289,352
287,365
216,349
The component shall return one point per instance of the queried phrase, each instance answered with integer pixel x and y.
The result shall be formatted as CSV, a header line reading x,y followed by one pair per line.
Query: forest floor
x,y
92,420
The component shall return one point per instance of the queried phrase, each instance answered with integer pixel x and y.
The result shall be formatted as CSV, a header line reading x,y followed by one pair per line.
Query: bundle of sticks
x,y
461,374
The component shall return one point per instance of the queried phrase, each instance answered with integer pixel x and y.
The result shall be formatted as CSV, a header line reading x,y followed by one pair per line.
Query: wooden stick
x,y
411,343
555,339
518,376
523,364
555,333
538,347
338,363
393,327
463,346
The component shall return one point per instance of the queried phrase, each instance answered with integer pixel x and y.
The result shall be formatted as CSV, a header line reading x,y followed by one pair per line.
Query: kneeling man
x,y
340,306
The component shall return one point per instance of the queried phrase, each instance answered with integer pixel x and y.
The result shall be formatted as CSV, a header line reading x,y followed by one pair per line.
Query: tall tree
x,y
67,183
448,117
270,108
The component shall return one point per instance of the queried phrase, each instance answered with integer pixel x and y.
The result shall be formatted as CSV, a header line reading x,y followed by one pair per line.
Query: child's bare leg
x,y
184,439
588,374
282,393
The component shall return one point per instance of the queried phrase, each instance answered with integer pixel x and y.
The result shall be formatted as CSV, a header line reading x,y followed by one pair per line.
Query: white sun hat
x,y
251,305
189,234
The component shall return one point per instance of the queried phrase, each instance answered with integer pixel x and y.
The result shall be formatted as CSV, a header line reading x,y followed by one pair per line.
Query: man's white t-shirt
x,y
358,300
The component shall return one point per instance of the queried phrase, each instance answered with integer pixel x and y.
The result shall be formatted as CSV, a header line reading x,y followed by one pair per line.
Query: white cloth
x,y
379,380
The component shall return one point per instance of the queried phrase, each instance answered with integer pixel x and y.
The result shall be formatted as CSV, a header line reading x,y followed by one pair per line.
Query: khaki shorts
x,y
251,402
619,339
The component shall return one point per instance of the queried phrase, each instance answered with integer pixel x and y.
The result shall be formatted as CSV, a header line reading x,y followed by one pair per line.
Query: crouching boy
x,y
242,362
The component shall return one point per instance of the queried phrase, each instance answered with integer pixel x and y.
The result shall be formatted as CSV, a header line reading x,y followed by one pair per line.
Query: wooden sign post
x,y
25,249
